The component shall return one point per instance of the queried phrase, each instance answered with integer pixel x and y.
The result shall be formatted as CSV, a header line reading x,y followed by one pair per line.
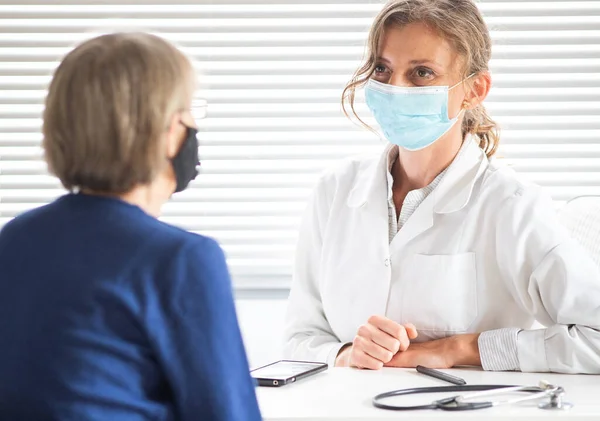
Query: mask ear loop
x,y
465,102
463,109
462,81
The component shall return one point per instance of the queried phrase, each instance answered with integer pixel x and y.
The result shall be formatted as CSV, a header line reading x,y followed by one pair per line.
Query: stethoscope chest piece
x,y
556,401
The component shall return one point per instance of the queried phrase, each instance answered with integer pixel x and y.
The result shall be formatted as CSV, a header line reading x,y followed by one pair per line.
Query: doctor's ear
x,y
479,85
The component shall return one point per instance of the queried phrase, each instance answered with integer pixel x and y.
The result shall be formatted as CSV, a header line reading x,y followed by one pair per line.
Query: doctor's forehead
x,y
416,43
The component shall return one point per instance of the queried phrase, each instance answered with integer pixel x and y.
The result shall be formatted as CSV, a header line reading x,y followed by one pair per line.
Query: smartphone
x,y
285,372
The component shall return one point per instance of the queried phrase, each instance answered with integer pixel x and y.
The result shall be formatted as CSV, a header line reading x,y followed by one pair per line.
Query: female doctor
x,y
432,254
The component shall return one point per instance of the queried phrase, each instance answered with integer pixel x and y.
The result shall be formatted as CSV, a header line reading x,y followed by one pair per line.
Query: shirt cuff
x,y
498,350
333,353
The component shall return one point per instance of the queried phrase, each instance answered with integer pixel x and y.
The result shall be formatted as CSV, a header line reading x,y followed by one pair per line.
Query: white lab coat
x,y
483,251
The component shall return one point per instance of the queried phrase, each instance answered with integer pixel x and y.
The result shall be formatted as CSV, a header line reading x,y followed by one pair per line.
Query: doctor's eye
x,y
380,69
423,73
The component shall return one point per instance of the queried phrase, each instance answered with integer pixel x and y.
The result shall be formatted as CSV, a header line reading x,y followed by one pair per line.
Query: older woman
x,y
105,312
433,254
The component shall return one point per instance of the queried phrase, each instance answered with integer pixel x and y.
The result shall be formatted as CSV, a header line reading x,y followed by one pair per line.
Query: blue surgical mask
x,y
410,117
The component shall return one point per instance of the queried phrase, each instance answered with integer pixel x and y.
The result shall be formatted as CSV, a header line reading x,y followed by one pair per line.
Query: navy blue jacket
x,y
107,313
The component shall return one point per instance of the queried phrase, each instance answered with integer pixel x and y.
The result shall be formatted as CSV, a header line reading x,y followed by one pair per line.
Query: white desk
x,y
345,394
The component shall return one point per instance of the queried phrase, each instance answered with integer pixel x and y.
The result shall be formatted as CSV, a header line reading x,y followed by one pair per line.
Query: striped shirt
x,y
412,201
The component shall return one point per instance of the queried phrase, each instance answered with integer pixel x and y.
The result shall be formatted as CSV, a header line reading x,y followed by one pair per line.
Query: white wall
x,y
261,321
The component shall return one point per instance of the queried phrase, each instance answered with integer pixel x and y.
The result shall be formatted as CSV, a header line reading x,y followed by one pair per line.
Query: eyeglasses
x,y
199,108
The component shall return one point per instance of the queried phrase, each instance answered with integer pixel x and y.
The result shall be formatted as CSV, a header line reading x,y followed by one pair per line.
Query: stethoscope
x,y
554,394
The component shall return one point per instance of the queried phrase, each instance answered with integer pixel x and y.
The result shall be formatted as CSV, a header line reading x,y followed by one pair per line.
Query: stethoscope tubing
x,y
446,404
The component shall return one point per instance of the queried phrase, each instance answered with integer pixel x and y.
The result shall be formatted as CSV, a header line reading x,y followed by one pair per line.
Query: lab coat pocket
x,y
440,292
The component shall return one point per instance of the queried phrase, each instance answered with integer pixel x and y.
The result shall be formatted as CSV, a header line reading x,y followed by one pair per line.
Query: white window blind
x,y
273,72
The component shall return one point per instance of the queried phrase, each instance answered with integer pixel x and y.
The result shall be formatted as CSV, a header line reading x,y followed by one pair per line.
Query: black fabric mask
x,y
186,160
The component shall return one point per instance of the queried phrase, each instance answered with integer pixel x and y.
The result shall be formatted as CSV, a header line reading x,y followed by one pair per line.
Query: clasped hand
x,y
382,342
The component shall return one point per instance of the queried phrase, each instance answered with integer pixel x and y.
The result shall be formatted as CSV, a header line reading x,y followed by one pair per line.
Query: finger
x,y
387,325
411,331
361,360
380,337
400,360
372,349
403,339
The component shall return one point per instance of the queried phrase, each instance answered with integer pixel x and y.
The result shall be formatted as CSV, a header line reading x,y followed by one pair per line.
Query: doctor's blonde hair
x,y
459,22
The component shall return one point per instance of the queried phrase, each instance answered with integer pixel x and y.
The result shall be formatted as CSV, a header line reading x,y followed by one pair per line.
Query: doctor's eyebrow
x,y
426,61
380,59
383,60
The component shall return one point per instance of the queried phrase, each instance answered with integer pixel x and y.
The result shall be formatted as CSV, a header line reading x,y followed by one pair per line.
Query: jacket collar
x,y
451,195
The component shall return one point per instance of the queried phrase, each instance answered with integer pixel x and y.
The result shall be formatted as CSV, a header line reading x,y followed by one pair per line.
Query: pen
x,y
442,376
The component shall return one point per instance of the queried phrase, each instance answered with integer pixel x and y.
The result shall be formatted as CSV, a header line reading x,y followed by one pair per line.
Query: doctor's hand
x,y
376,343
442,353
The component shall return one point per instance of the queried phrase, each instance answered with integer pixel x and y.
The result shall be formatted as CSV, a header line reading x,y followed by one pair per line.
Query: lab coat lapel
x,y
420,221
455,189
452,194
370,191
